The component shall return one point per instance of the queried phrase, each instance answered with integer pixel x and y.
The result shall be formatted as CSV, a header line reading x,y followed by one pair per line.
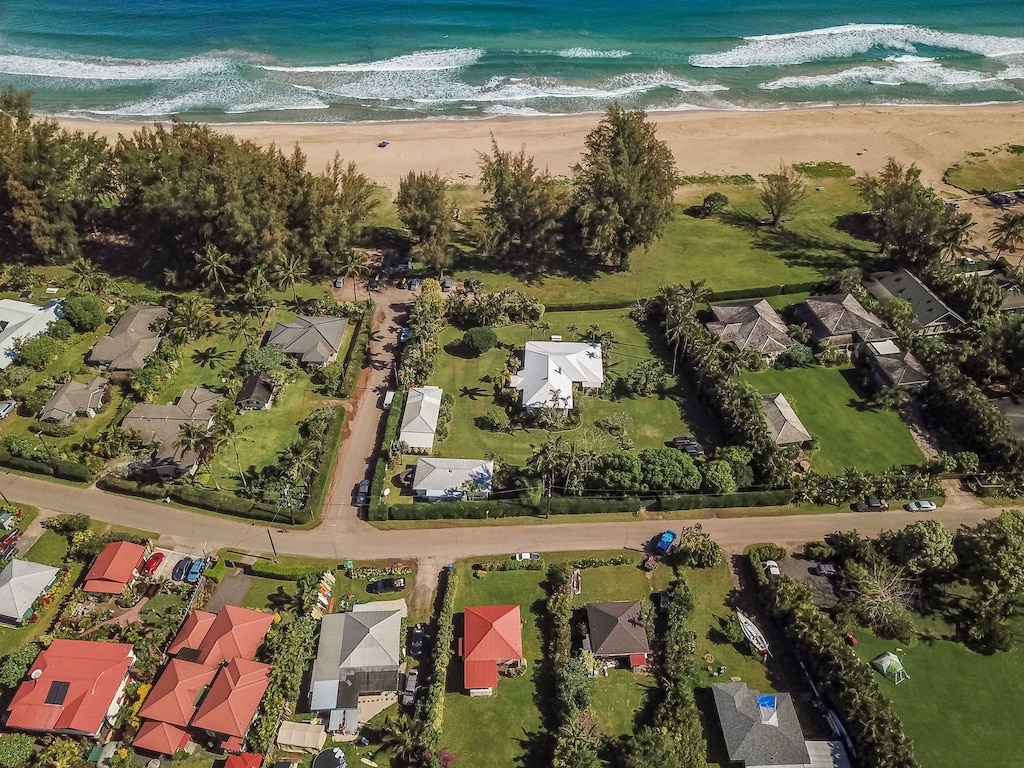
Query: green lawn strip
x,y
12,639
958,707
616,700
49,549
270,595
849,431
998,171
728,255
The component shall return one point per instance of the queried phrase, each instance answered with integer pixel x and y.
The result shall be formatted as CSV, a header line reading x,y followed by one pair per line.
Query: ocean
x,y
342,61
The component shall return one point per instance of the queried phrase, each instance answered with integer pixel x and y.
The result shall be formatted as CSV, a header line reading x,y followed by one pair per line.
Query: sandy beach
x,y
703,141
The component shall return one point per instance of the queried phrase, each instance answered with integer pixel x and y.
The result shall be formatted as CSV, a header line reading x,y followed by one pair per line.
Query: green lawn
x,y
270,595
850,432
998,170
958,707
655,419
727,251
50,549
616,700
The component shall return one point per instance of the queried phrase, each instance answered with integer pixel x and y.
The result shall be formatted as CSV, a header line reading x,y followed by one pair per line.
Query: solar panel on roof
x,y
58,691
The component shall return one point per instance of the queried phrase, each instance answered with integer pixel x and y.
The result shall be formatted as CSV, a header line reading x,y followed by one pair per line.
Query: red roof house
x,y
178,692
493,636
115,567
244,760
74,688
211,639
162,738
231,704
192,631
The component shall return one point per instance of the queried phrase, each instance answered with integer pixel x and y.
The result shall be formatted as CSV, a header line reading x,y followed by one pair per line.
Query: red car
x,y
149,567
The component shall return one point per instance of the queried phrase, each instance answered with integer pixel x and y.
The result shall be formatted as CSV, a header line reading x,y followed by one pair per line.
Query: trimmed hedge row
x,y
318,489
377,510
202,498
65,470
268,569
740,499
432,709
481,510
579,306
356,355
766,290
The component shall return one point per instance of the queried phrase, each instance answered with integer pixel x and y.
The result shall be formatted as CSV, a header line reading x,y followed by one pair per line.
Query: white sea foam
x,y
111,69
420,61
232,97
850,40
927,73
504,109
591,53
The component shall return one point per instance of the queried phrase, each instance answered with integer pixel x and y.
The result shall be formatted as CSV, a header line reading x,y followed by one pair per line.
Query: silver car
x,y
409,694
921,506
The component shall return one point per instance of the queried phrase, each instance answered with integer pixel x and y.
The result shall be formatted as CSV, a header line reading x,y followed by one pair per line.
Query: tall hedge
x,y
432,709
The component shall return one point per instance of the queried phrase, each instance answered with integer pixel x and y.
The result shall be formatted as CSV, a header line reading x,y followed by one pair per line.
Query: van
x,y
6,407
409,694
389,398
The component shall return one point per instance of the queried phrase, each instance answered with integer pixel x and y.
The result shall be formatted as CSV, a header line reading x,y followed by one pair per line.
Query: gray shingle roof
x,y
162,423
894,366
314,340
73,397
751,325
840,318
929,310
756,736
132,339
616,629
256,387
784,425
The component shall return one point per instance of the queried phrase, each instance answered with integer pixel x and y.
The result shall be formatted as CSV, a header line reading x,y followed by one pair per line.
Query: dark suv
x,y
872,504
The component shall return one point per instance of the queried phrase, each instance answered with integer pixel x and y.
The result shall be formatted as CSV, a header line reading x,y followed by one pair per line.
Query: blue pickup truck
x,y
664,543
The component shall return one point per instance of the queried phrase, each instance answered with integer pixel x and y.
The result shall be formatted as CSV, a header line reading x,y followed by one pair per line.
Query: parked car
x,y
825,569
339,282
664,543
194,572
7,407
417,640
409,694
872,504
383,586
363,493
403,335
967,261
447,285
771,569
921,506
521,556
181,569
689,446
953,204
374,284
11,538
9,552
1001,198
149,567
1019,194
415,283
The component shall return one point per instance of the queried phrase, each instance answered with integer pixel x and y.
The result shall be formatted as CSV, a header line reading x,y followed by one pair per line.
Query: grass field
x,y
958,707
998,170
49,549
850,432
728,252
655,419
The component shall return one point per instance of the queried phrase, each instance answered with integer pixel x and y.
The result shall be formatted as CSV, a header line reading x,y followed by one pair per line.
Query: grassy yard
x,y
50,549
996,170
655,419
958,707
728,252
850,432
270,595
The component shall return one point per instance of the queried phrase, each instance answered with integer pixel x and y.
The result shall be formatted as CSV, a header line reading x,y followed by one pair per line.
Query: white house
x,y
21,320
422,408
448,479
550,368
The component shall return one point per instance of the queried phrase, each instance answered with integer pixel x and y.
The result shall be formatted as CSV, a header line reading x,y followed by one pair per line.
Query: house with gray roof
x,y
256,393
76,398
759,730
359,655
419,420
311,340
840,320
931,317
21,584
616,631
752,326
160,426
19,321
890,366
784,425
133,338
451,479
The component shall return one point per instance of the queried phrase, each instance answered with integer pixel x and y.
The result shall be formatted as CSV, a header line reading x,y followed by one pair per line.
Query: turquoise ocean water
x,y
347,60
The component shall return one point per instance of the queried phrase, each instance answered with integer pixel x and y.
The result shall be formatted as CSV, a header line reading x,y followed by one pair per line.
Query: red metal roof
x,y
492,633
79,681
114,567
161,738
233,633
637,659
244,760
175,696
192,631
235,695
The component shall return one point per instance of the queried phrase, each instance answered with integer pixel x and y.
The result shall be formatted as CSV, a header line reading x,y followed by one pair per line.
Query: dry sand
x,y
703,141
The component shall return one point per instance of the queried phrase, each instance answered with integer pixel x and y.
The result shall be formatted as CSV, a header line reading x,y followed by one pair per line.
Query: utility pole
x,y
272,547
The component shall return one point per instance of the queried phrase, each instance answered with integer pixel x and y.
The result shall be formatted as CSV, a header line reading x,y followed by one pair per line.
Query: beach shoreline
x,y
722,142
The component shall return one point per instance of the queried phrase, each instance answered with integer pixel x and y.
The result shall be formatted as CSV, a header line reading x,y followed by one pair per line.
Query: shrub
x,y
68,524
479,340
37,352
84,313
718,477
816,550
60,330
741,499
433,702
15,666
509,565
36,400
495,420
767,552
16,749
71,470
713,203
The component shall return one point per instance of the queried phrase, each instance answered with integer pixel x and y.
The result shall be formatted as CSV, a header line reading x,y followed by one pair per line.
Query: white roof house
x,y
21,583
20,320
550,368
437,479
422,407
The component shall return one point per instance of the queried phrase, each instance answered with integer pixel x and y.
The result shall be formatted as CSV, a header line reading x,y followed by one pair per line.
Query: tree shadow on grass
x,y
801,250
209,357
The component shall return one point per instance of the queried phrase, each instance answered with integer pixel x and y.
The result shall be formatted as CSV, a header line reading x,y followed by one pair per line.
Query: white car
x,y
921,506
771,568
521,556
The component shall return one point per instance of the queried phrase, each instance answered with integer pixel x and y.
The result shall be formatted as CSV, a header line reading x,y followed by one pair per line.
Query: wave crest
x,y
420,61
591,53
111,69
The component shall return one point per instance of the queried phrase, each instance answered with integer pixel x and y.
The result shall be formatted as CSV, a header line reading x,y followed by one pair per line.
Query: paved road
x,y
365,421
194,532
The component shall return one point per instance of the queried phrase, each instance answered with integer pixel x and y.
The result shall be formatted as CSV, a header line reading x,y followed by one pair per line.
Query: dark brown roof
x,y
256,387
132,339
842,318
617,629
929,310
751,325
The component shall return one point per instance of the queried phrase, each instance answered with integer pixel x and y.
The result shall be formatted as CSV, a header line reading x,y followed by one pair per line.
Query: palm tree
x,y
289,272
800,333
733,361
241,327
696,293
1007,234
226,428
401,737
191,319
88,276
214,265
254,289
192,439
675,332
957,234
352,266
298,460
